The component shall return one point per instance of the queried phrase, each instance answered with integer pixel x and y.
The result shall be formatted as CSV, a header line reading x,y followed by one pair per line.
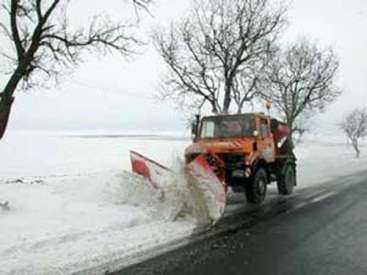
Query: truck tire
x,y
287,180
256,189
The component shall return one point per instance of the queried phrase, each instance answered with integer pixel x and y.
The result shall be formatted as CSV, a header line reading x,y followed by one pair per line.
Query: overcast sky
x,y
116,94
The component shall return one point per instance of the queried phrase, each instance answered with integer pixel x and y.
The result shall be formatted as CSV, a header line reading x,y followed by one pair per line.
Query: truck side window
x,y
264,129
208,129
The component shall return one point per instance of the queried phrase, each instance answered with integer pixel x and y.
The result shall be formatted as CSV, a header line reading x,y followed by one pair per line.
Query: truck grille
x,y
234,161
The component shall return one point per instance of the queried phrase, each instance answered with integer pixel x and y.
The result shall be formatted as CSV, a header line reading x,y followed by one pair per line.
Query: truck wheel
x,y
256,190
287,180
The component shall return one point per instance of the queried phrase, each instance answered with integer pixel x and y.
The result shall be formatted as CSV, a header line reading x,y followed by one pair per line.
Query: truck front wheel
x,y
256,189
287,180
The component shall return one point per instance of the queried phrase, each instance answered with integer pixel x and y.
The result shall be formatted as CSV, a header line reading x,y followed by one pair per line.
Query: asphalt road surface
x,y
320,230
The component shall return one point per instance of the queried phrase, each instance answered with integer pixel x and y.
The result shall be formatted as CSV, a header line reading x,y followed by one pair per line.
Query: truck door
x,y
265,143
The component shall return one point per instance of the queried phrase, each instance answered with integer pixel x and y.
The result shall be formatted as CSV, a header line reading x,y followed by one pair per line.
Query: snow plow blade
x,y
208,193
152,171
200,176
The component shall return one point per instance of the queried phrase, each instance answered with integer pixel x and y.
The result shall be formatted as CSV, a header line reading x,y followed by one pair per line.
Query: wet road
x,y
321,230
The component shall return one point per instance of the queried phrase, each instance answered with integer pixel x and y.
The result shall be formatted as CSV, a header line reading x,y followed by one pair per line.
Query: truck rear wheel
x,y
256,190
287,180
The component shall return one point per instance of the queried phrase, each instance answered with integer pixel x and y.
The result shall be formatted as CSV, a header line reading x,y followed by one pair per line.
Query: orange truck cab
x,y
247,152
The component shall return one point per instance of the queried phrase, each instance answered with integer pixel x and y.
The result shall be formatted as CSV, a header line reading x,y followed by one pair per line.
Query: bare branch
x,y
14,28
216,46
141,4
6,31
299,79
38,10
47,46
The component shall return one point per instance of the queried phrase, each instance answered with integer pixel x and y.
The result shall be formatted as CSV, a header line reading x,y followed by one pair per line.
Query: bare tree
x,y
215,54
41,44
299,81
354,126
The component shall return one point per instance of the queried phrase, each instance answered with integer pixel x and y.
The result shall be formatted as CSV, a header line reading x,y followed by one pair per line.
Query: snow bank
x,y
324,158
68,224
74,205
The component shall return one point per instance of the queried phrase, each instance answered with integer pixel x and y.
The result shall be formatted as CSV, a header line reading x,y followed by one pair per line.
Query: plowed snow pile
x,y
178,198
63,219
69,224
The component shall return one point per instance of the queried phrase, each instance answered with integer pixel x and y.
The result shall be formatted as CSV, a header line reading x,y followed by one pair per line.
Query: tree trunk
x,y
5,108
356,148
7,99
290,140
240,107
291,132
227,98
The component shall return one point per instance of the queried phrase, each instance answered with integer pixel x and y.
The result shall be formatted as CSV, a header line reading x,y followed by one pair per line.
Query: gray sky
x,y
115,94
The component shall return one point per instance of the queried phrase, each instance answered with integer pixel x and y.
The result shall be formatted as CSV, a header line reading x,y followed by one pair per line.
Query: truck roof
x,y
260,114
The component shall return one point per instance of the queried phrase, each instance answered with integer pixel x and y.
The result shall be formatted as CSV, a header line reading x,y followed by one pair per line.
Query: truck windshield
x,y
228,126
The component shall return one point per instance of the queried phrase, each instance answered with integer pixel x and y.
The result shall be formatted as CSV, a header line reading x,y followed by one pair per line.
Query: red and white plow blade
x,y
209,186
152,171
206,193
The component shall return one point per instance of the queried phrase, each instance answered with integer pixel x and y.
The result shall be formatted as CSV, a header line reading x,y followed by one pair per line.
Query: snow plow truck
x,y
242,152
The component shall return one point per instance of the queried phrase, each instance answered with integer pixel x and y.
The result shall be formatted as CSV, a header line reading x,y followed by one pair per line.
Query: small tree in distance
x,y
40,44
354,126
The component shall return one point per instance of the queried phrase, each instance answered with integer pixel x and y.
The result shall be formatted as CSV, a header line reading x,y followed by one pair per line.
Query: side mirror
x,y
195,127
194,130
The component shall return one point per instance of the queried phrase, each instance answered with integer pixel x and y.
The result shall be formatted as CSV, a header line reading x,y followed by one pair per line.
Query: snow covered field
x,y
74,205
